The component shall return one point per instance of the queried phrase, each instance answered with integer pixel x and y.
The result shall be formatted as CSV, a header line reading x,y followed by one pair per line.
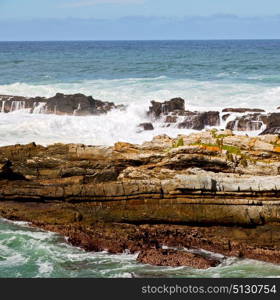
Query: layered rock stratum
x,y
209,190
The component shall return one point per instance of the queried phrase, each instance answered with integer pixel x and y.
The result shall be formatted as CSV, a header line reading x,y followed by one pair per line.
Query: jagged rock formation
x,y
254,122
113,197
175,258
158,108
169,113
77,104
236,176
173,113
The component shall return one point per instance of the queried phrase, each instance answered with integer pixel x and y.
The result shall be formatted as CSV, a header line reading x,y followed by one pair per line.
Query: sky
x,y
138,19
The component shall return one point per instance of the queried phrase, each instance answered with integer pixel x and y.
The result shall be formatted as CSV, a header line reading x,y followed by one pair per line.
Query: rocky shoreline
x,y
210,190
171,113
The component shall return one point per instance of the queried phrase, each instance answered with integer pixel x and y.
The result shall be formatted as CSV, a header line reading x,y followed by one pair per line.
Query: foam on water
x,y
22,127
209,75
198,94
30,252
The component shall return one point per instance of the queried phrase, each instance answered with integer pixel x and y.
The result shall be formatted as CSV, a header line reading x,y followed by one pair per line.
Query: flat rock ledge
x,y
175,258
210,190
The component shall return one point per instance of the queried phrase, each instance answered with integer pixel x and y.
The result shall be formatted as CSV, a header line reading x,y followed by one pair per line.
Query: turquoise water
x,y
28,252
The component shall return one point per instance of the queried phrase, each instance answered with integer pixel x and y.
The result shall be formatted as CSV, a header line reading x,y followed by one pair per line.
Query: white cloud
x,y
95,2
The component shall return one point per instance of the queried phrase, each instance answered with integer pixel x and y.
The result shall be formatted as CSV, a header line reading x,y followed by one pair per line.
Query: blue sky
x,y
119,8
138,19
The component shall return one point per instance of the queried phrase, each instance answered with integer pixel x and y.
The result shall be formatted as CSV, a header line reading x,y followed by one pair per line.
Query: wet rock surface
x,y
146,126
170,113
249,122
260,242
175,258
157,108
242,110
200,120
77,104
173,113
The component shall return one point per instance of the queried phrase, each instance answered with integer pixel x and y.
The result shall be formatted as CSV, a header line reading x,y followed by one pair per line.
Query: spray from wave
x,y
21,127
29,252
200,95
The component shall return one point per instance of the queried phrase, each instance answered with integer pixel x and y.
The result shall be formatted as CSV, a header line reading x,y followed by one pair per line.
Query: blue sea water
x,y
252,61
28,252
207,74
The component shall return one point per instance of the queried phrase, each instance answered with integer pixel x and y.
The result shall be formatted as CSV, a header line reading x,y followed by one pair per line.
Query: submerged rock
x,y
272,122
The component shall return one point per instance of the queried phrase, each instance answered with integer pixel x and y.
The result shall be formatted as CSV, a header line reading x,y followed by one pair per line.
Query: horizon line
x,y
145,40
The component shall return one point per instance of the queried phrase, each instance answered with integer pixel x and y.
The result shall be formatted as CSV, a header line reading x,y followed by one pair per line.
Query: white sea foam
x,y
21,127
45,268
198,94
37,255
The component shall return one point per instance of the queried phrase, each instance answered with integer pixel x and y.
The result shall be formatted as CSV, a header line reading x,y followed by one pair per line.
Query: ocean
x,y
207,74
28,252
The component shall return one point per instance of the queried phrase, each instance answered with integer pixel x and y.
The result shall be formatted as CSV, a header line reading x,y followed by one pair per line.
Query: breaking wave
x,y
30,252
198,94
21,127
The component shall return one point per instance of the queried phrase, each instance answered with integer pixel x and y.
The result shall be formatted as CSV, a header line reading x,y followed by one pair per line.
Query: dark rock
x,y
6,172
272,120
171,119
77,104
242,110
271,130
175,258
158,108
146,126
225,117
199,120
250,122
175,108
